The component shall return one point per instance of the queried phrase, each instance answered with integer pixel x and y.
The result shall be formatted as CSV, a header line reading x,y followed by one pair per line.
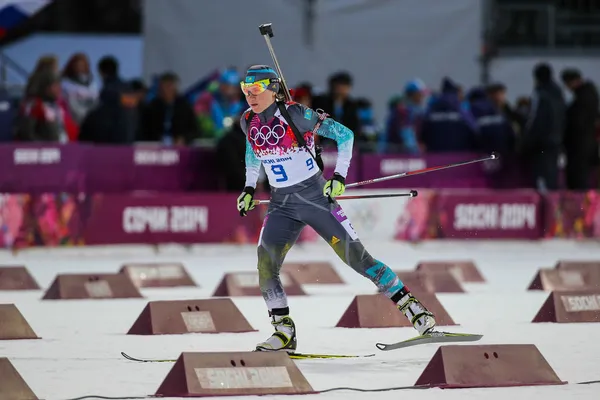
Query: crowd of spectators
x,y
79,104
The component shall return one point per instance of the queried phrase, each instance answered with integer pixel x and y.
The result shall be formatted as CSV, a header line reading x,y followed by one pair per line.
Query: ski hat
x,y
414,86
230,77
260,72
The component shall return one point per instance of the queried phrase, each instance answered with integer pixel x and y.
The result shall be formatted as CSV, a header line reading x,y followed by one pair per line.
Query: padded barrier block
x,y
432,282
12,384
17,278
92,286
566,279
474,366
190,316
377,311
13,325
570,306
152,275
246,284
313,273
233,374
463,271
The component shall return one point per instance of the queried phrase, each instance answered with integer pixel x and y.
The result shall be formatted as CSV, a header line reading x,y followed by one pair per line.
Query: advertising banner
x,y
175,218
63,219
477,214
572,215
469,176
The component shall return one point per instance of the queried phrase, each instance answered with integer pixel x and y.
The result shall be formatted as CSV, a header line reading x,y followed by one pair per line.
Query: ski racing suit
x,y
297,199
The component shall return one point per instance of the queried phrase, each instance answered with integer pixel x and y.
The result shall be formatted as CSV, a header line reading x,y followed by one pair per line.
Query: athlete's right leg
x,y
331,223
280,231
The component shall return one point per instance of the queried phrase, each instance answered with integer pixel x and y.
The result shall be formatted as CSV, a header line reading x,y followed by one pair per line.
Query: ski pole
x,y
412,193
266,30
493,156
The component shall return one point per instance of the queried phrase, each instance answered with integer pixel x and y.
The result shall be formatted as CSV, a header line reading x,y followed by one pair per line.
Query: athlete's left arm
x,y
329,128
345,141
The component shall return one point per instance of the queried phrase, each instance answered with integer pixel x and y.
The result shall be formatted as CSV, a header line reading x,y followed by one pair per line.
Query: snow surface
x,y
78,354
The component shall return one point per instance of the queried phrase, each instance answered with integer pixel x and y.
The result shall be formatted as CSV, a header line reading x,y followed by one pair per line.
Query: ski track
x,y
79,353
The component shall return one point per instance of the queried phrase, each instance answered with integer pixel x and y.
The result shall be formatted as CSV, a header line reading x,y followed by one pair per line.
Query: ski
x,y
294,356
434,337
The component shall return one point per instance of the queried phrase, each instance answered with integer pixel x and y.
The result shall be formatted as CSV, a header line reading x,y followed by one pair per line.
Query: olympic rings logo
x,y
267,135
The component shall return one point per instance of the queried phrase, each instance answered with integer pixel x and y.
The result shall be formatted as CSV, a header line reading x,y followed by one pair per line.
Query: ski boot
x,y
422,319
284,338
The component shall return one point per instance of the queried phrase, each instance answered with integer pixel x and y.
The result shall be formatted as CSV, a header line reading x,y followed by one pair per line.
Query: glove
x,y
335,186
244,201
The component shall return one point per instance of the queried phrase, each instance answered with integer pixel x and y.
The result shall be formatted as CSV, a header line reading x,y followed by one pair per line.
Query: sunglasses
x,y
255,88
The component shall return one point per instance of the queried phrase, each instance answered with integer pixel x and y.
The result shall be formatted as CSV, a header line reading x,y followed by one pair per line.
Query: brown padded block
x,y
17,278
463,271
12,384
13,325
377,311
313,273
549,279
570,306
473,366
246,284
151,275
92,286
190,316
233,374
433,282
566,264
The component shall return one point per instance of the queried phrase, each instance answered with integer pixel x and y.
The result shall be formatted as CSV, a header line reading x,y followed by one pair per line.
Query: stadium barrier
x,y
63,219
81,168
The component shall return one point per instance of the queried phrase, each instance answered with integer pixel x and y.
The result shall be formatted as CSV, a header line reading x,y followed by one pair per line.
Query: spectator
x,y
79,90
41,118
115,119
169,118
497,94
338,103
303,94
217,109
231,150
495,133
404,122
447,126
140,92
366,139
9,110
542,138
522,109
48,63
579,140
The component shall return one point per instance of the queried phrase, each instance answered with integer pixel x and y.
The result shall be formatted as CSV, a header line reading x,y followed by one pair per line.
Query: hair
x,y
570,74
137,84
109,66
495,88
69,69
542,73
169,76
342,78
46,63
